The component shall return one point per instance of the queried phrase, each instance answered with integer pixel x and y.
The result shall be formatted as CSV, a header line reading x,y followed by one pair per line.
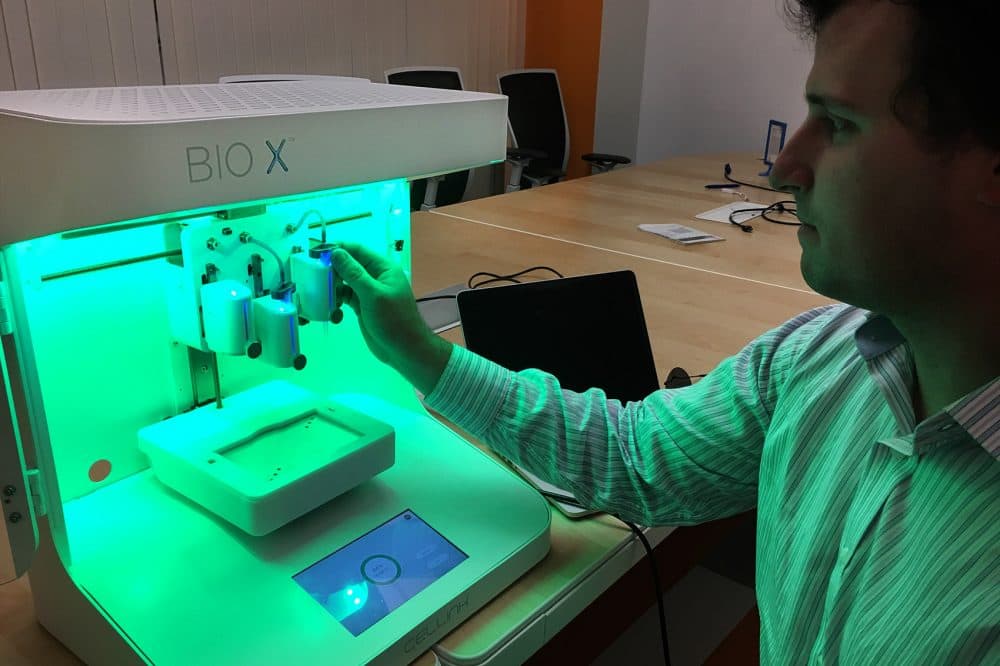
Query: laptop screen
x,y
588,331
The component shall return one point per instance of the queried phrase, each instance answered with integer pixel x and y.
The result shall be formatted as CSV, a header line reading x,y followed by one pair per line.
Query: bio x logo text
x,y
236,160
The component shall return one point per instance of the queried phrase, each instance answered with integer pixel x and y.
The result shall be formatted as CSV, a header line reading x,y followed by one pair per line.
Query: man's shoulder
x,y
833,319
823,323
822,334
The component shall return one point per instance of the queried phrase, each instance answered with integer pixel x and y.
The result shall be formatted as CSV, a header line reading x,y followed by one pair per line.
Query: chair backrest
x,y
536,116
449,78
452,188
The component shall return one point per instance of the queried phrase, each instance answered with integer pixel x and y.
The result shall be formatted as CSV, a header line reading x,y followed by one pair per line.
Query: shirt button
x,y
845,552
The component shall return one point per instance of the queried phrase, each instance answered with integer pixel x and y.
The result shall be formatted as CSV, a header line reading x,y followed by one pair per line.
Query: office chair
x,y
444,189
536,118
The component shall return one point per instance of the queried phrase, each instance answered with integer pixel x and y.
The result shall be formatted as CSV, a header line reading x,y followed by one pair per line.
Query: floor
x,y
701,610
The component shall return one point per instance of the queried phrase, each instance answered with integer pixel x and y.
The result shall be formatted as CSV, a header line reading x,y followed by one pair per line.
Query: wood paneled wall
x,y
202,41
73,43
17,62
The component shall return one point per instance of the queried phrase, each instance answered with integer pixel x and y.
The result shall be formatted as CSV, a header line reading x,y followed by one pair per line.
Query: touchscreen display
x,y
377,573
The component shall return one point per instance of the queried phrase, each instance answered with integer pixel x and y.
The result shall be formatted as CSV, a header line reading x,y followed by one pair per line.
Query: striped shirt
x,y
877,537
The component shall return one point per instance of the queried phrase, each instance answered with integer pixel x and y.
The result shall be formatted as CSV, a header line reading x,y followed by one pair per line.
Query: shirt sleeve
x,y
680,456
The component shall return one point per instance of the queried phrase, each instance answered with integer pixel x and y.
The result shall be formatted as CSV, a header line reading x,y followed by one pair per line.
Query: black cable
x,y
512,277
499,278
787,206
569,499
659,590
493,278
436,298
728,169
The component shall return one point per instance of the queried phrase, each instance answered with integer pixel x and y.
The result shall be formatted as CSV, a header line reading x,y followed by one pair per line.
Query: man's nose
x,y
792,172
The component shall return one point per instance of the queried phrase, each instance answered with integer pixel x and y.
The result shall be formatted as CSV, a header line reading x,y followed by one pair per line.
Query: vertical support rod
x,y
216,381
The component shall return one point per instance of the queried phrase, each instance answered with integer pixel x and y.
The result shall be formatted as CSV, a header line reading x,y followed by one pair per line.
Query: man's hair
x,y
952,67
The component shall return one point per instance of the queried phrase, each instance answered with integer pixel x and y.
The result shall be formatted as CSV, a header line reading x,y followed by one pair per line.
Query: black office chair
x,y
447,188
536,118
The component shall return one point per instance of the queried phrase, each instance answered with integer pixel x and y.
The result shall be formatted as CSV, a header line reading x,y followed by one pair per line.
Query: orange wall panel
x,y
565,35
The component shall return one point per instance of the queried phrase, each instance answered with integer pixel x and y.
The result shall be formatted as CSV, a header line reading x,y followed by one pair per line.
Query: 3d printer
x,y
201,461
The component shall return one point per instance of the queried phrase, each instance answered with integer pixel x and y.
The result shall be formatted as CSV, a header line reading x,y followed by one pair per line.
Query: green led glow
x,y
94,315
101,347
238,206
93,324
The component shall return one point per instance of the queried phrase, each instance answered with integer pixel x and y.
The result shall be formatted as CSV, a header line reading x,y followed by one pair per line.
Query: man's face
x,y
880,209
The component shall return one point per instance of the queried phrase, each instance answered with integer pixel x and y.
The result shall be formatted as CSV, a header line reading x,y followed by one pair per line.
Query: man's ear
x,y
990,193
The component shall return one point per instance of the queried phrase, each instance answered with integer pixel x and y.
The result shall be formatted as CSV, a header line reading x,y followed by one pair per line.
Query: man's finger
x,y
374,263
354,274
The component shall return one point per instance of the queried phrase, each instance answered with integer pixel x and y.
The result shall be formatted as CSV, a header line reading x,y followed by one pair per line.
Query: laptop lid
x,y
587,330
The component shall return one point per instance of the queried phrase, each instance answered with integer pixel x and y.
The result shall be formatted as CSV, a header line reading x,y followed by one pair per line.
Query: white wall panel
x,y
71,43
87,42
500,41
6,66
619,78
134,51
168,46
329,39
384,35
715,72
19,55
205,40
444,32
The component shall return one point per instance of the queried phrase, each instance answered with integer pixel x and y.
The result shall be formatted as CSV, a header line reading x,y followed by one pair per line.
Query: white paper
x,y
680,233
722,213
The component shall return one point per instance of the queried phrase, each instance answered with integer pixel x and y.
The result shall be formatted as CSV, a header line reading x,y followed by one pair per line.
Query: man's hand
x,y
380,296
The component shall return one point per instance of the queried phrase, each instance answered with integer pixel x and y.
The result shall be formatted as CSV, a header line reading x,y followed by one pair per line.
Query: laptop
x,y
588,331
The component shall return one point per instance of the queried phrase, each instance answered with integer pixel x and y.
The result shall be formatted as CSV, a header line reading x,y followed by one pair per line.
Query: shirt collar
x,y
876,336
977,413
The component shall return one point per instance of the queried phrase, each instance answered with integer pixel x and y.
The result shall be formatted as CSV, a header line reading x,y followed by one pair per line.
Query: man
x,y
868,434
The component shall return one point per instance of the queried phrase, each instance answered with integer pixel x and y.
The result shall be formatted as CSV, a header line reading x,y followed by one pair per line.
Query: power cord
x,y
779,207
436,298
507,278
658,588
727,171
492,277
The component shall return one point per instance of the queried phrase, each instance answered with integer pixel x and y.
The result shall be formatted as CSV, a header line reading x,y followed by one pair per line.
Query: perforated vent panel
x,y
189,102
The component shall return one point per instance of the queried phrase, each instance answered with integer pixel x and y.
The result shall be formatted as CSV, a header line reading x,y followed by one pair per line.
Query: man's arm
x,y
679,456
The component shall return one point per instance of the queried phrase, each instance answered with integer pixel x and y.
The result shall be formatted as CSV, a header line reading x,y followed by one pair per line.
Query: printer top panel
x,y
157,104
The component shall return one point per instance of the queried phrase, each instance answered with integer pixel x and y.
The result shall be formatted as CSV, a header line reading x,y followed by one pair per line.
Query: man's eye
x,y
838,125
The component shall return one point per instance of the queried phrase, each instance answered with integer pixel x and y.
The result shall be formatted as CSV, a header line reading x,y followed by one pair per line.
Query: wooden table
x,y
702,303
604,211
695,318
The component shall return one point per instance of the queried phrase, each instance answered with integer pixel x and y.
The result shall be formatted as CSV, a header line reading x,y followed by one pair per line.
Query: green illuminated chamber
x,y
97,315
96,323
